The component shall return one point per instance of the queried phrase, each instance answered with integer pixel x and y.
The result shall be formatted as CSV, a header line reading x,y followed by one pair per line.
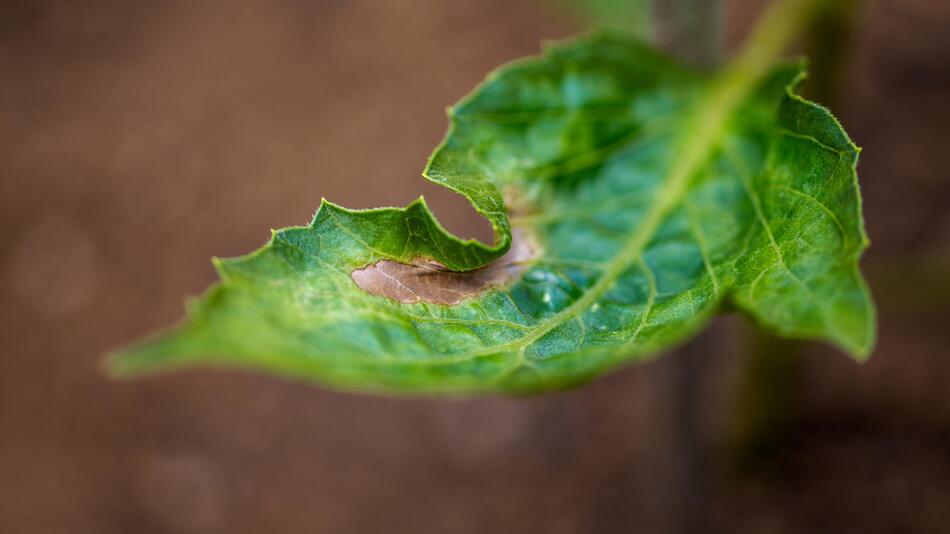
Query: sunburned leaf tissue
x,y
648,196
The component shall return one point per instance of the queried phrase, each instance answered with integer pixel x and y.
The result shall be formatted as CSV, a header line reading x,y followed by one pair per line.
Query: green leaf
x,y
643,196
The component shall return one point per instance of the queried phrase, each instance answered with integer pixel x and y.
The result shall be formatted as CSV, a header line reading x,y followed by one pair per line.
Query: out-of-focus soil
x,y
139,138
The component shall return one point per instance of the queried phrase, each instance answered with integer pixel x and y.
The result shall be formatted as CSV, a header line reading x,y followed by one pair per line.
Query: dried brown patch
x,y
429,281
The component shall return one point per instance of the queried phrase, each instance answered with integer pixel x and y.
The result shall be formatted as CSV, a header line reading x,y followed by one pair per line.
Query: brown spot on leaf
x,y
429,281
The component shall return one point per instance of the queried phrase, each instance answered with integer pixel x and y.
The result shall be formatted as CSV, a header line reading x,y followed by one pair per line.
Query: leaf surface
x,y
640,197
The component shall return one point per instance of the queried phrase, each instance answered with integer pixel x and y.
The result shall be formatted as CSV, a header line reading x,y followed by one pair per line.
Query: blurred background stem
x,y
691,31
627,16
770,367
828,40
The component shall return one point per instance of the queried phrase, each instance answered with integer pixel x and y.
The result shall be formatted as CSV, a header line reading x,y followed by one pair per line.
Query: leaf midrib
x,y
705,129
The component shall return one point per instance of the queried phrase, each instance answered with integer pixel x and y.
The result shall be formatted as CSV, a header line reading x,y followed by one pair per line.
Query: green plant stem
x,y
765,400
629,16
690,30
828,45
781,23
771,367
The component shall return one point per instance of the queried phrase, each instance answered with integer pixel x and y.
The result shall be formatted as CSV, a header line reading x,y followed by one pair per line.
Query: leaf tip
x,y
167,351
419,202
316,212
119,365
859,341
221,267
861,350
133,361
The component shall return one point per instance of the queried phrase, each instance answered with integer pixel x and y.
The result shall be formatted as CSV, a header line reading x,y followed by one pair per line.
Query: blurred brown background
x,y
137,139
